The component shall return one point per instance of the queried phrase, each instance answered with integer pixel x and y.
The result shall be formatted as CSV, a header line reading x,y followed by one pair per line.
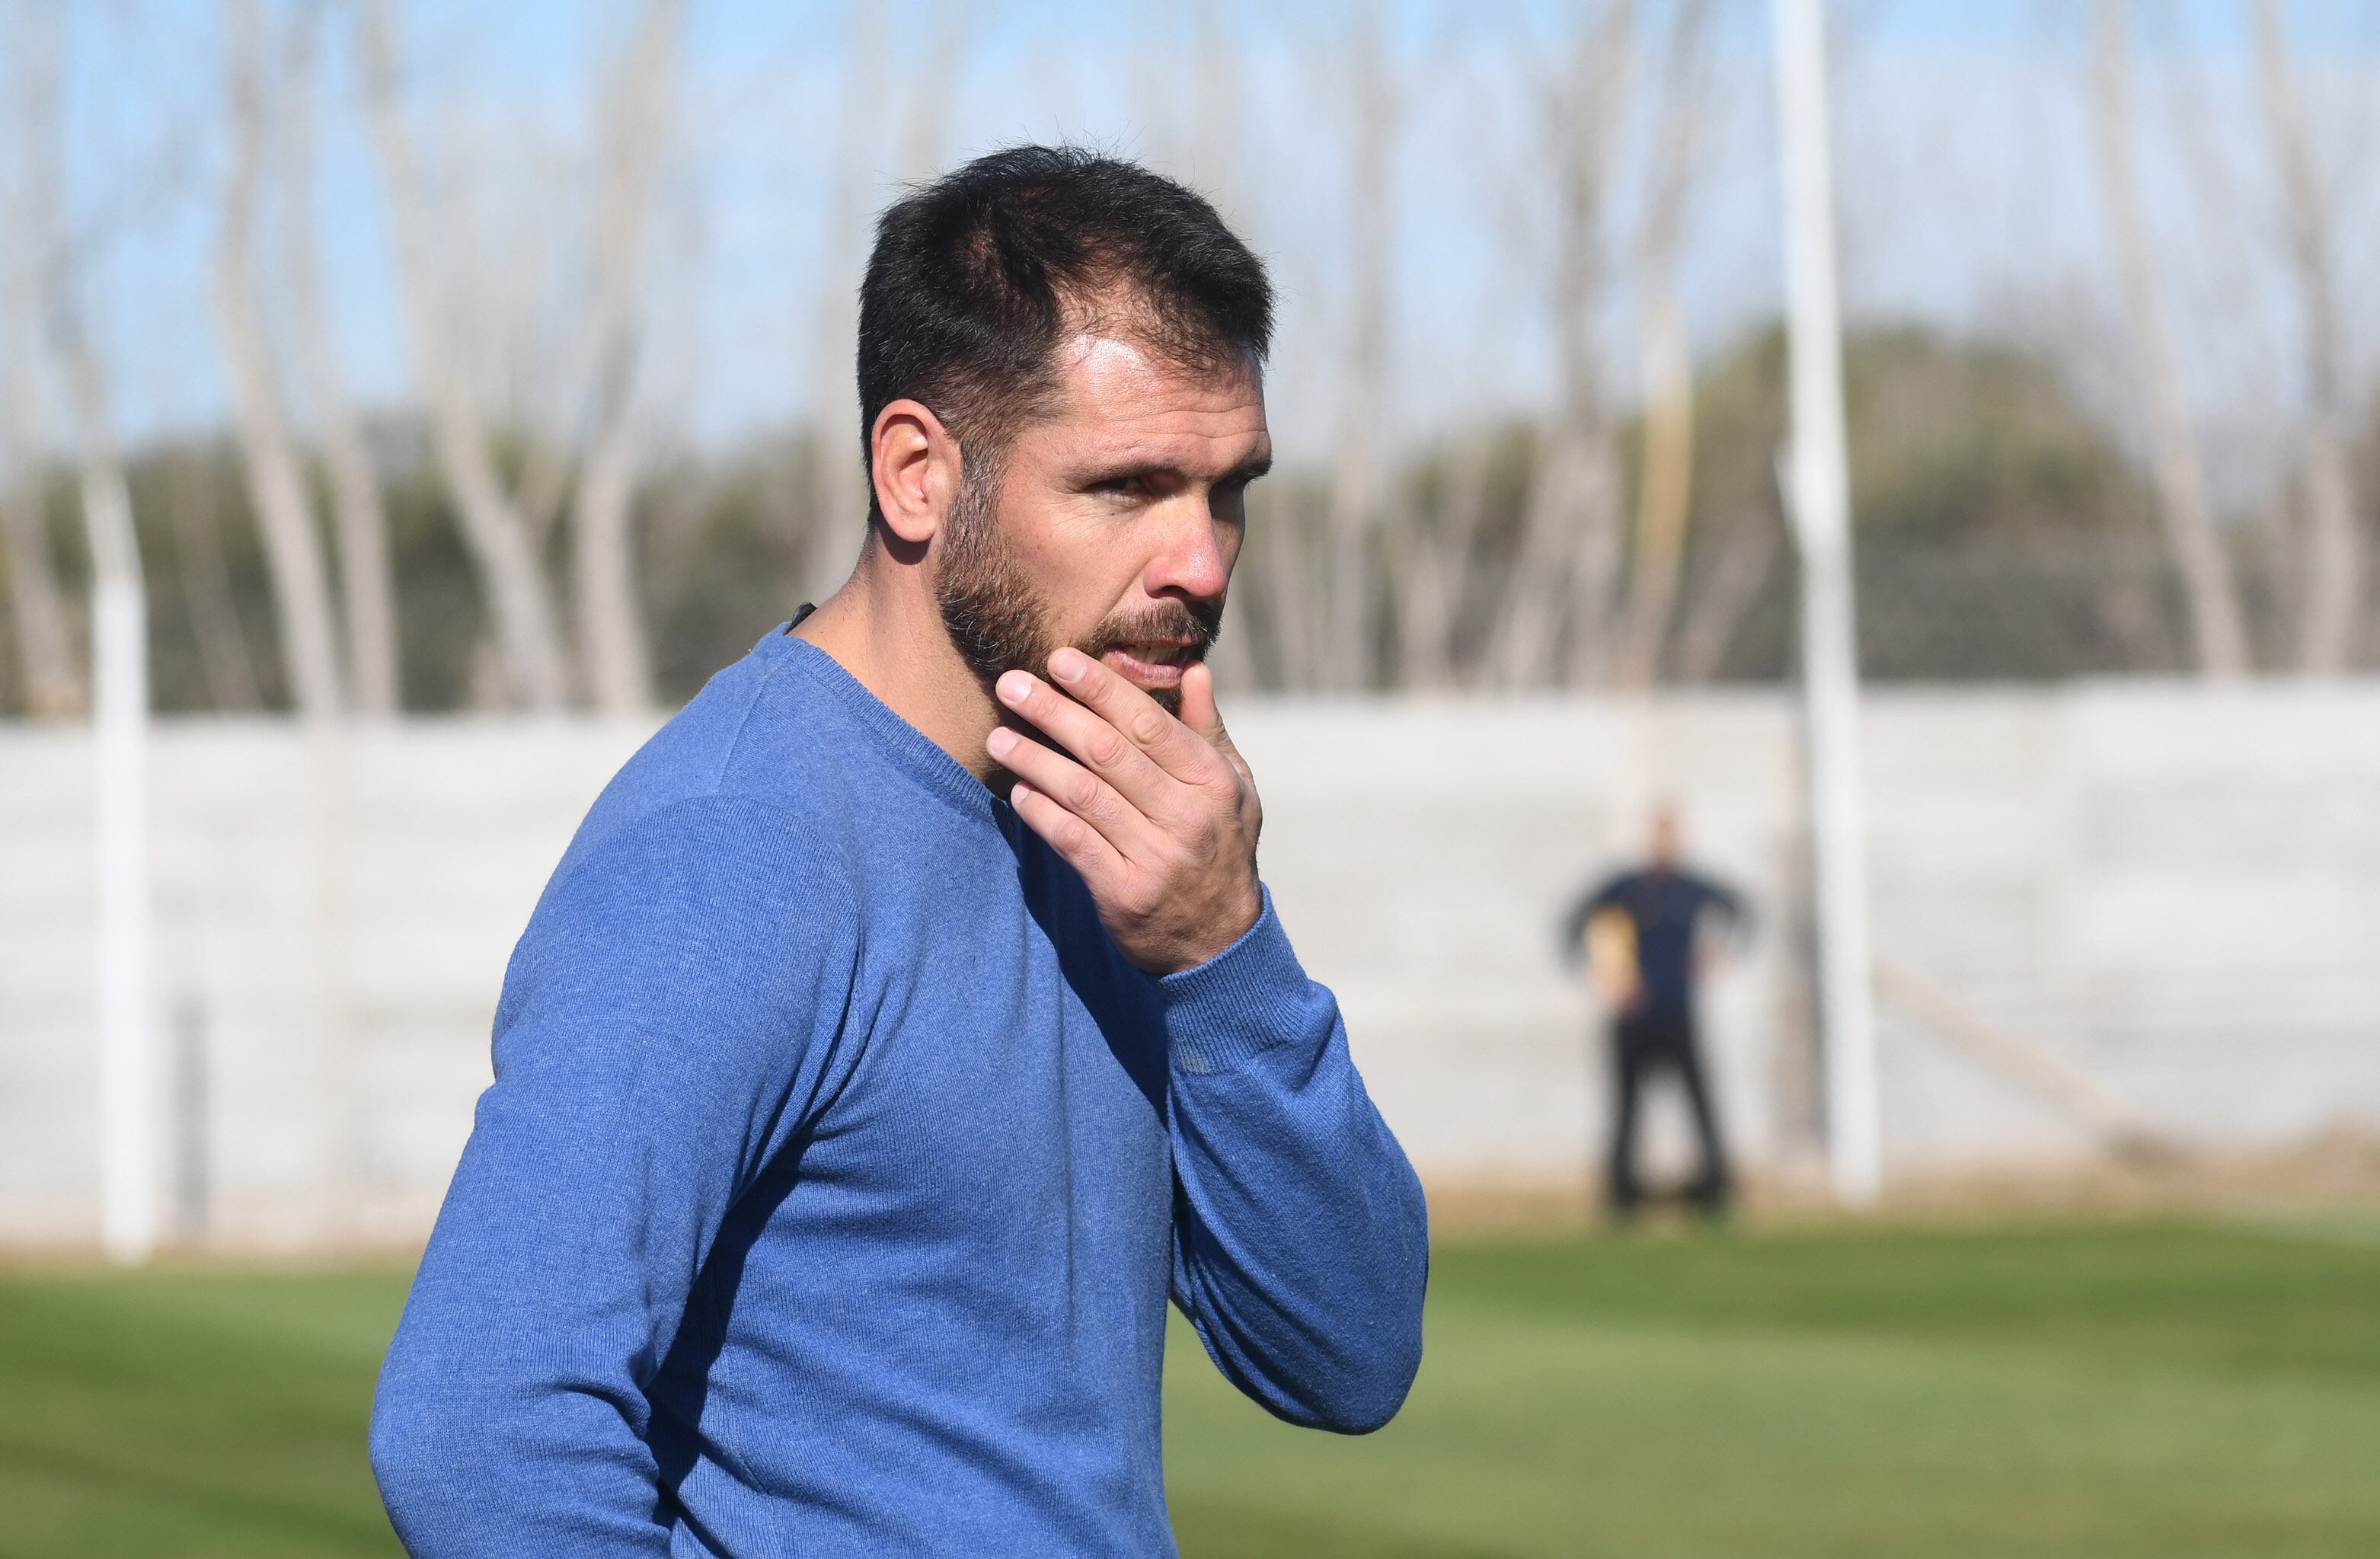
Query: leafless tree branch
x,y
528,638
1355,479
2217,628
223,659
1665,490
106,499
365,588
838,495
293,551
613,647
54,683
1569,553
2333,564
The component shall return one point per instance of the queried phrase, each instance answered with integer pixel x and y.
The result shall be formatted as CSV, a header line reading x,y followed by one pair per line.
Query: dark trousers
x,y
1641,1046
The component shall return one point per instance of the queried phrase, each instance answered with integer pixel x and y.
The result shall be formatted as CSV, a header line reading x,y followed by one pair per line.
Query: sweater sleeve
x,y
670,1018
1300,1240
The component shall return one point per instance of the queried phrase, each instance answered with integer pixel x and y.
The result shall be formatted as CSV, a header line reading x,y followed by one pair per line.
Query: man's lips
x,y
1151,666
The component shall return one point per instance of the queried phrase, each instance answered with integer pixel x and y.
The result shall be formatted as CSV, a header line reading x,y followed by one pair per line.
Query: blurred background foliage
x,y
2003,534
552,306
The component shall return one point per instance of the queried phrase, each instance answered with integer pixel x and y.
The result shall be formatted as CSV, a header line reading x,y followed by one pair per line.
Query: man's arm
x,y
667,1023
1733,909
1574,928
1301,1240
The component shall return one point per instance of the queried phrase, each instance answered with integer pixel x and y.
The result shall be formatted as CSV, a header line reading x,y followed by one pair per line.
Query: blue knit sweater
x,y
838,1169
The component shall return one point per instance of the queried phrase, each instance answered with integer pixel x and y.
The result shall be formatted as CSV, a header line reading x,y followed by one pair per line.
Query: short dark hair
x,y
978,276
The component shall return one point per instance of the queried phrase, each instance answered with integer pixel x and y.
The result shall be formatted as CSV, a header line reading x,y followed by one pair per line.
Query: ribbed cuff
x,y
1241,1001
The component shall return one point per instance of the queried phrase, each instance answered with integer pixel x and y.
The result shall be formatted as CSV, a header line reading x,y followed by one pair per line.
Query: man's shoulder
x,y
760,702
1707,887
1620,885
736,766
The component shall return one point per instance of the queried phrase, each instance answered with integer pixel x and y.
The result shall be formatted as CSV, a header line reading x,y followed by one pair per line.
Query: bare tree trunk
x,y
1355,478
53,687
106,498
293,551
839,496
2217,628
611,629
54,682
1590,459
514,375
2334,552
529,640
1666,493
223,659
1435,561
366,587
37,607
1727,593
1291,575
1665,487
544,488
1568,554
119,679
1214,86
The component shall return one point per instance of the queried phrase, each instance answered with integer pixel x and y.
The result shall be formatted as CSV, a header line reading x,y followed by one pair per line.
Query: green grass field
x,y
2085,1391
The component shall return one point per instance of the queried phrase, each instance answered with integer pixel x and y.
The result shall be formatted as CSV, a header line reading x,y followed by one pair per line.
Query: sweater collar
x,y
941,773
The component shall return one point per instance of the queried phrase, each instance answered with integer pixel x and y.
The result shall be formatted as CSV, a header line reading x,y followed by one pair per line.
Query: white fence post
x,y
1818,501
127,1063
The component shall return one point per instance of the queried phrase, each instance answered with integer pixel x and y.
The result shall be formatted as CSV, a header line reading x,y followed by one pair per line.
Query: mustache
x,y
1194,624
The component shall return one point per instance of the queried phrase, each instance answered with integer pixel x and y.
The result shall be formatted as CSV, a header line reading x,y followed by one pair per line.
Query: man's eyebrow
x,y
1248,469
1127,471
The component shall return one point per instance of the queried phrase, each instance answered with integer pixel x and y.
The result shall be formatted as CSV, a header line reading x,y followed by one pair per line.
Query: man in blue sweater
x,y
907,1022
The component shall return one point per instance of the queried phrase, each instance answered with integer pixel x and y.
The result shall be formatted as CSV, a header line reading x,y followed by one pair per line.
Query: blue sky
x,y
1961,151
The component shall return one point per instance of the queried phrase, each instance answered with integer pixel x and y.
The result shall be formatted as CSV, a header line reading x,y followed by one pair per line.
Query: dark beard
x,y
998,622
991,612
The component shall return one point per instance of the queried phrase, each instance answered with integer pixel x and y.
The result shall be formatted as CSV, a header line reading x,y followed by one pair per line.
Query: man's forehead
x,y
1114,392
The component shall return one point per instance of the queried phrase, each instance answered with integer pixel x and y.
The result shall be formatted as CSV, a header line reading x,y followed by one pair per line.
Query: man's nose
x,y
1195,560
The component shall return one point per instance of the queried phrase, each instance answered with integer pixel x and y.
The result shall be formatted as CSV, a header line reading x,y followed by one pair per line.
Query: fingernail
x,y
1069,665
1002,741
1014,687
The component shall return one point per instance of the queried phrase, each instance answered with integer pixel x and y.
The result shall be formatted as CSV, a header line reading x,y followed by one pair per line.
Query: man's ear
x,y
914,463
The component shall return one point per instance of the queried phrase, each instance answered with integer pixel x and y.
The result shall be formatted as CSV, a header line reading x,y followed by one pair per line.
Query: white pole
x,y
120,742
1818,500
119,633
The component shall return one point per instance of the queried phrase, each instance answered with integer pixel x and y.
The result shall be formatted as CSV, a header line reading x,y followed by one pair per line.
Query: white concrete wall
x,y
2176,892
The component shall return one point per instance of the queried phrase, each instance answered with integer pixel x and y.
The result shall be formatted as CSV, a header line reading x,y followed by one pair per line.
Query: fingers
x,y
1199,714
1140,718
1198,709
1068,785
1100,864
1094,739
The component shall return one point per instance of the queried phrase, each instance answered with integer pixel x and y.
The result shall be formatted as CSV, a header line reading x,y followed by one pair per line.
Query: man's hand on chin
x,y
1159,814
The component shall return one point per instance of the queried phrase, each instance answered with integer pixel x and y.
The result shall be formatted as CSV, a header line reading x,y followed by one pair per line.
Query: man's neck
x,y
884,629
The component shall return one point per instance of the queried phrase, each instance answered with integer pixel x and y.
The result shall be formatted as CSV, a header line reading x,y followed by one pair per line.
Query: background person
x,y
1646,930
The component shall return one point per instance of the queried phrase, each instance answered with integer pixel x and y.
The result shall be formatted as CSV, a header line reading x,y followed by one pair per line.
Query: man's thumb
x,y
1198,709
1198,712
